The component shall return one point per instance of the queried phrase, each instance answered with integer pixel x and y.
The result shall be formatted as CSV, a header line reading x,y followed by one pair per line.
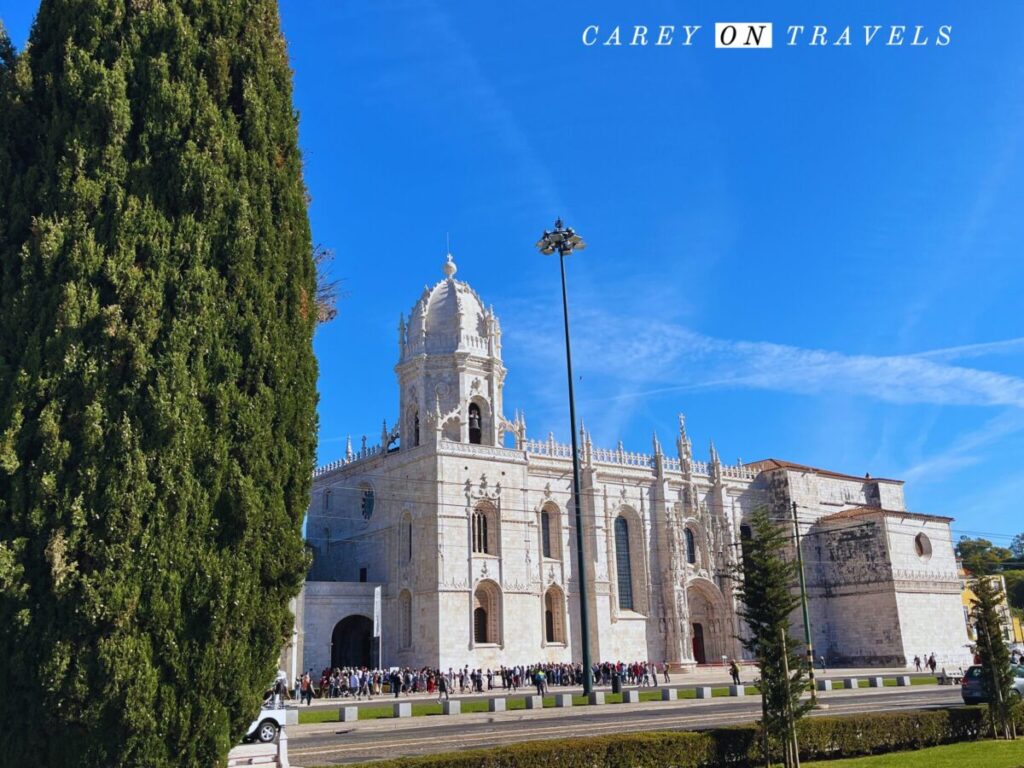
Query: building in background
x,y
466,525
1013,633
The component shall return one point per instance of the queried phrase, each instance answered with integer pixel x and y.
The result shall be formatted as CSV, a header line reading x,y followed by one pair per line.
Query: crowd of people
x,y
364,683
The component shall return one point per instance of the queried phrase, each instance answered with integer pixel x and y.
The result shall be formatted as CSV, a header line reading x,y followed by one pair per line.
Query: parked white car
x,y
272,718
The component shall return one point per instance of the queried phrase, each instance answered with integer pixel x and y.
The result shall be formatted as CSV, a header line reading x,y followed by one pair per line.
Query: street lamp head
x,y
562,239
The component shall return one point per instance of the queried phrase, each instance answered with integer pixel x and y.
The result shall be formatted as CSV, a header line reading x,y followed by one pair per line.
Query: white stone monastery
x,y
466,526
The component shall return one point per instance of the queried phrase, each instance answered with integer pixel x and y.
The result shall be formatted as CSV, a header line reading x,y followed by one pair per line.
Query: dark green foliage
x,y
1015,588
981,557
766,578
1017,546
736,747
157,381
997,677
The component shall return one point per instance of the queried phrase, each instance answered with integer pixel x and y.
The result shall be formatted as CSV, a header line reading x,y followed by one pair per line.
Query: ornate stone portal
x,y
465,523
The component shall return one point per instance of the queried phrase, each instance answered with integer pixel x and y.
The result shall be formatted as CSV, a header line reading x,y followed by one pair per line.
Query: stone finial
x,y
348,448
683,446
401,331
384,435
713,454
449,267
657,445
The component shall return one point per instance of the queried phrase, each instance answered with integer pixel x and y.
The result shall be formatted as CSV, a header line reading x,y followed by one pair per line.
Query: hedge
x,y
731,747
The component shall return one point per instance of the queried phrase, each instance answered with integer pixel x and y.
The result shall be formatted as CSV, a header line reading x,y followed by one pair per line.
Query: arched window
x,y
327,500
545,534
623,564
476,431
551,532
485,530
416,429
691,548
486,613
405,618
405,539
480,541
554,615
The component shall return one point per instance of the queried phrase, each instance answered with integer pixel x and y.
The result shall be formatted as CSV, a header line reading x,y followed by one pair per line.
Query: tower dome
x,y
449,318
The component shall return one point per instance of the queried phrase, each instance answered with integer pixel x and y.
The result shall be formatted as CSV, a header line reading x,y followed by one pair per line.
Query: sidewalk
x,y
715,677
696,706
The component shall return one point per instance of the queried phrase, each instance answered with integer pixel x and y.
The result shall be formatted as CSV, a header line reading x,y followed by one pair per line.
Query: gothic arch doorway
x,y
709,622
352,642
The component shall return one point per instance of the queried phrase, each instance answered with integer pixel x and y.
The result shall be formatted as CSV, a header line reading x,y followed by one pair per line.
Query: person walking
x,y
306,690
917,663
734,671
442,688
932,664
821,663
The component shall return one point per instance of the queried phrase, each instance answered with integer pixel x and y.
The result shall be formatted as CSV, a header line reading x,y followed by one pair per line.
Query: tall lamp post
x,y
564,241
803,602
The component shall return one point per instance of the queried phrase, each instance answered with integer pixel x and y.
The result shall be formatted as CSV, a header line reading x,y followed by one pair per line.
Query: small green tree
x,y
766,580
997,677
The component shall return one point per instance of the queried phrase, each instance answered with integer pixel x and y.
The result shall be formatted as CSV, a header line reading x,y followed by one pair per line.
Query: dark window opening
x,y
475,430
362,574
691,547
623,565
480,543
480,625
545,533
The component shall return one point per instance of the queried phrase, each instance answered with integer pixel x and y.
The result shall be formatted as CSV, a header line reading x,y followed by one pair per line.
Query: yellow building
x,y
1013,633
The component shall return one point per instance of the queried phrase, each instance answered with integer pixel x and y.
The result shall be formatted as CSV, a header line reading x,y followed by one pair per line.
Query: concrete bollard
x,y
534,702
563,699
669,694
496,704
401,709
737,690
348,714
282,749
851,682
876,682
824,685
596,697
704,692
903,680
631,697
450,707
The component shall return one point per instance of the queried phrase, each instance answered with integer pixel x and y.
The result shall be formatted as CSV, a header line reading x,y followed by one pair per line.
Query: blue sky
x,y
812,252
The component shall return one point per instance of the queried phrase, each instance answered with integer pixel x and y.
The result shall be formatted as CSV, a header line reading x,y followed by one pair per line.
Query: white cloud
x,y
638,357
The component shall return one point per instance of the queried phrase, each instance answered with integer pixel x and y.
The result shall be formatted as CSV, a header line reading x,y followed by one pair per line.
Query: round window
x,y
923,546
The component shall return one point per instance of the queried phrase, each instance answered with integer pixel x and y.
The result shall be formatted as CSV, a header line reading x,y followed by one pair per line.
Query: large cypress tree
x,y
157,381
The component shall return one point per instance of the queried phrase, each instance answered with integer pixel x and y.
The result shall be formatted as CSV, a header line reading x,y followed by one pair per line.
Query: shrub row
x,y
732,747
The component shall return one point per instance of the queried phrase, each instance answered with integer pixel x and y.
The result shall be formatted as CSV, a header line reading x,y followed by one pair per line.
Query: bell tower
x,y
450,374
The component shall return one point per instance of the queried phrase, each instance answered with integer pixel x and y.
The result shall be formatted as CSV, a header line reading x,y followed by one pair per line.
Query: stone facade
x,y
467,526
